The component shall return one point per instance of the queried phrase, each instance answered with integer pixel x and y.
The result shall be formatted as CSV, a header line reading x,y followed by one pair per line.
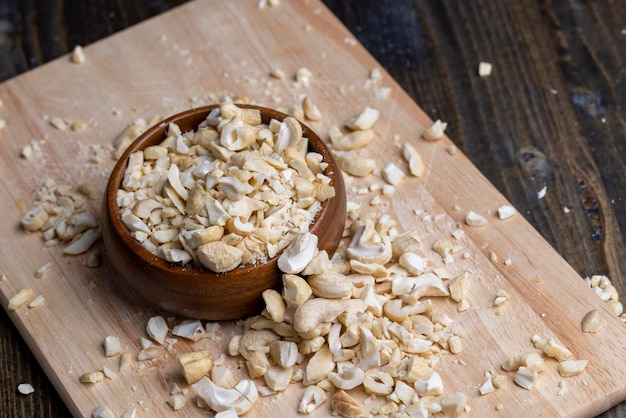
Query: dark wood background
x,y
551,114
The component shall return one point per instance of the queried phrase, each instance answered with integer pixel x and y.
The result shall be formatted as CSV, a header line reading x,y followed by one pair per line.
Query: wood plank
x,y
175,61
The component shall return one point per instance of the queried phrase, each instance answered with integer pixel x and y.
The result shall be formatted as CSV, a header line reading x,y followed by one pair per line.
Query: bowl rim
x,y
148,137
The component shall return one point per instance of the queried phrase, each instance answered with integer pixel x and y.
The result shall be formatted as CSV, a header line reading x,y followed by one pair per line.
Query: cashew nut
x,y
315,311
195,365
312,398
240,398
319,366
345,406
378,382
274,305
348,376
369,247
331,285
295,290
298,253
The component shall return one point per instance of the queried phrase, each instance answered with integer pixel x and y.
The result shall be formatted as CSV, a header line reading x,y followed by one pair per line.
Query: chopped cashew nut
x,y
392,174
525,377
474,219
190,329
364,120
355,165
453,405
314,312
364,247
570,368
78,56
593,322
311,111
435,131
506,211
319,366
157,329
344,405
91,377
532,361
298,254
412,157
296,290
195,365
102,412
219,256
25,388
20,298
177,402
555,349
484,69
312,398
351,141
112,346
241,398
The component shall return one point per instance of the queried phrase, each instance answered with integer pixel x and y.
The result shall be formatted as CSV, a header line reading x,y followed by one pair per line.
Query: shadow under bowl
x,y
197,292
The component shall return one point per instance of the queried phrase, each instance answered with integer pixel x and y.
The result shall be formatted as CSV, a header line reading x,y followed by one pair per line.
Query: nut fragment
x,y
570,368
295,290
532,361
311,111
348,376
525,377
20,298
91,377
453,405
278,378
319,366
364,120
345,405
284,353
157,329
317,311
392,174
312,398
195,365
484,69
555,349
331,285
474,219
177,402
378,382
298,254
593,322
416,165
102,412
219,256
506,211
435,131
351,141
112,346
78,56
274,305
25,388
190,329
355,165
241,398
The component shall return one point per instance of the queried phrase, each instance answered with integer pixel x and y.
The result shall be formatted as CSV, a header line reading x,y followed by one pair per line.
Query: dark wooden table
x,y
553,113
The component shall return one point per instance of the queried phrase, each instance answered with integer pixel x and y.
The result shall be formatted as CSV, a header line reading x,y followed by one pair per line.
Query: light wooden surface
x,y
181,59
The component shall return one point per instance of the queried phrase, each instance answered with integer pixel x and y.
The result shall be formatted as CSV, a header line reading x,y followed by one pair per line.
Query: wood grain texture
x,y
551,114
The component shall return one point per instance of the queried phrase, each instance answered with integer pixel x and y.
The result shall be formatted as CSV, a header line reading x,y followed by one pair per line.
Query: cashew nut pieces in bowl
x,y
211,256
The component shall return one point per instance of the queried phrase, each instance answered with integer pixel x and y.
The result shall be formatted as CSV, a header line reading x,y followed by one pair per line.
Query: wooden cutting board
x,y
194,55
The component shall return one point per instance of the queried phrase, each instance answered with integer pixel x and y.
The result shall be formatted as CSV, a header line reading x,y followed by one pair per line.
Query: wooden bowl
x,y
196,292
